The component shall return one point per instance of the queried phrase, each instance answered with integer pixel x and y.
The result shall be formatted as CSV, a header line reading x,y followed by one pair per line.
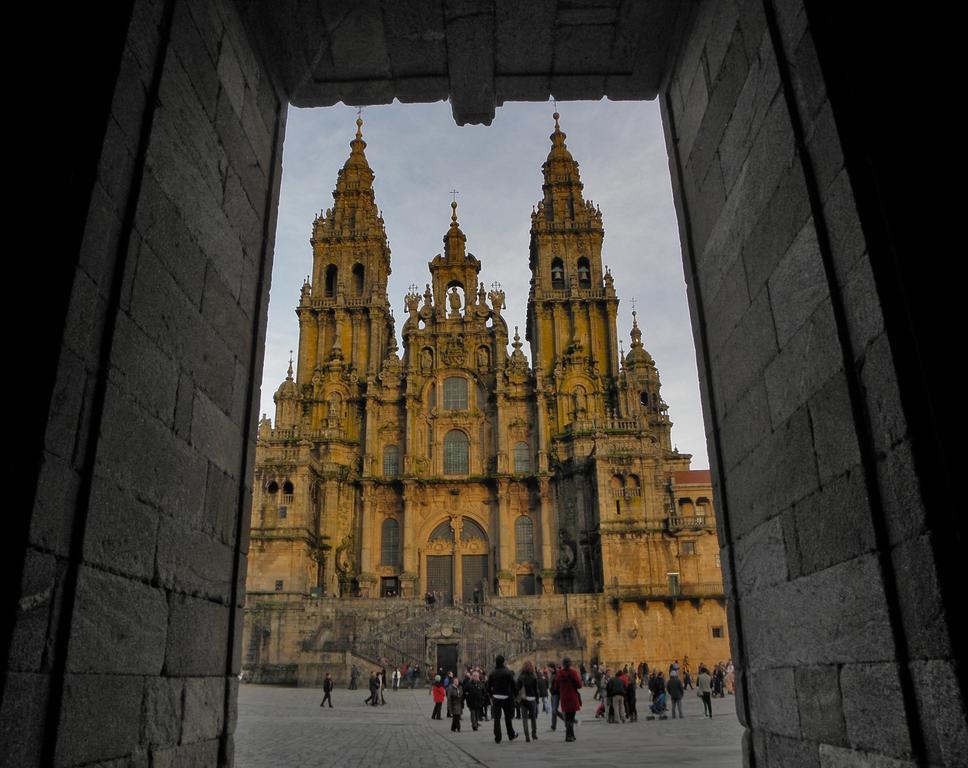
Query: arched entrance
x,y
456,564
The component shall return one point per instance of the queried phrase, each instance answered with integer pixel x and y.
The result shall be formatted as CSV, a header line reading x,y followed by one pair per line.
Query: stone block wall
x,y
125,645
831,574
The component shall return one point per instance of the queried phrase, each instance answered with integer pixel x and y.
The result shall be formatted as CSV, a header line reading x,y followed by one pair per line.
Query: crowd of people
x,y
500,696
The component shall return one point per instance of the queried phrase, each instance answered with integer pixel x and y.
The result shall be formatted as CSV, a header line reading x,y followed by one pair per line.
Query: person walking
x,y
616,697
527,688
630,705
354,676
675,690
455,703
474,698
556,713
501,687
704,684
439,693
327,691
569,695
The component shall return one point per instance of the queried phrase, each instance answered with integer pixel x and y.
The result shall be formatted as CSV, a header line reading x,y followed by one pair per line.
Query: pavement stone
x,y
285,728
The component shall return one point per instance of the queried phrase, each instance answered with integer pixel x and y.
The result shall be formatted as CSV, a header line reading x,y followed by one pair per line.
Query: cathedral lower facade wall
x,y
296,641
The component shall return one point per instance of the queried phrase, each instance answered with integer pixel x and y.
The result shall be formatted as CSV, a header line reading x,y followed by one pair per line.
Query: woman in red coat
x,y
568,683
439,694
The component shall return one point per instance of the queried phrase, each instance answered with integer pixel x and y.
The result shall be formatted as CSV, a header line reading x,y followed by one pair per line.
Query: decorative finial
x,y
289,373
359,122
453,214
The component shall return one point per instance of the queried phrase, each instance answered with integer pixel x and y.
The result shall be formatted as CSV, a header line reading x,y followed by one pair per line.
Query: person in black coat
x,y
501,688
327,691
527,690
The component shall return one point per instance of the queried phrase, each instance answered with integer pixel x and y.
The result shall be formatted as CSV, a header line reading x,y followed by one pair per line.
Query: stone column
x,y
409,537
369,545
547,526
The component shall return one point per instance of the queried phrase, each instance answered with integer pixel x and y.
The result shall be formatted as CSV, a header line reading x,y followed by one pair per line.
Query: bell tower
x,y
344,315
572,304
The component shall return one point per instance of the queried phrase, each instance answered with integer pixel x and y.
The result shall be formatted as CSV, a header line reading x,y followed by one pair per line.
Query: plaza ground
x,y
286,728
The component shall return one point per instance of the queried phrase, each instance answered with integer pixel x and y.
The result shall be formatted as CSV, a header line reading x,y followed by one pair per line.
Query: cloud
x,y
418,155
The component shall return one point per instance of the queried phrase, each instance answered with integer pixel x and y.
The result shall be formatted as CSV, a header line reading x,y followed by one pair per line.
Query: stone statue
x,y
454,299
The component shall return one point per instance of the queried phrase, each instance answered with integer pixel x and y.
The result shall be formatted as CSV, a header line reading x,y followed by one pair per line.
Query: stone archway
x,y
802,256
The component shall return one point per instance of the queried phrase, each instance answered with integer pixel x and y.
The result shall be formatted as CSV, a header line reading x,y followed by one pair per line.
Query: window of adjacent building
x,y
455,452
717,632
522,458
702,507
273,487
719,562
330,288
455,394
358,279
523,539
673,583
390,542
584,273
688,548
279,585
283,511
557,274
391,461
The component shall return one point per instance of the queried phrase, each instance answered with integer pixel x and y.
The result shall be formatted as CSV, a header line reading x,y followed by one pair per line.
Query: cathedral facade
x,y
458,468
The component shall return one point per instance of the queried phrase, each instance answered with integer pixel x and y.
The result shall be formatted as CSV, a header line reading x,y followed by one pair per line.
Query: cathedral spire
x,y
354,208
455,239
562,203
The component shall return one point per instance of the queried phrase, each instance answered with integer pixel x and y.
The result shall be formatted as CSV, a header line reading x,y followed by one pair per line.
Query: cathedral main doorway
x,y
457,562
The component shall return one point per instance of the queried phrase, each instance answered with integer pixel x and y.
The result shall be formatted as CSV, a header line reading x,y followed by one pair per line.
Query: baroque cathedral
x,y
461,469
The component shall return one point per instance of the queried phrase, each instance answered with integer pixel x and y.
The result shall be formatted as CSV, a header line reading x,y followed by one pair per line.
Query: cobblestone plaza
x,y
285,728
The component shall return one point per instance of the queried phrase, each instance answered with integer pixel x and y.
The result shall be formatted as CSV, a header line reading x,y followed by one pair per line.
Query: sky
x,y
419,154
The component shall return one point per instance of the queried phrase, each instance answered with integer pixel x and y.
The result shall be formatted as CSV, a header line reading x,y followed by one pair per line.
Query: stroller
x,y
658,707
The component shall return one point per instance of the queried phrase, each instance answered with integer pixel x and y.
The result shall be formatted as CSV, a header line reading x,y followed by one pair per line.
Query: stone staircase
x,y
481,631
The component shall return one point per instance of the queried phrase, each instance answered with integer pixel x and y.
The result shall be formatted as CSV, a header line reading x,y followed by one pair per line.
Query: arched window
x,y
455,453
644,399
442,532
455,394
358,275
273,487
432,396
472,530
330,288
390,542
557,273
391,461
584,273
522,458
287,488
523,540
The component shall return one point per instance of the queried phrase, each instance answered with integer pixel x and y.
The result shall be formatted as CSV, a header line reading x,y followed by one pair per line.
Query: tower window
x,y
279,585
358,275
523,540
522,458
584,273
455,394
330,287
455,453
390,543
557,273
391,461
717,632
688,548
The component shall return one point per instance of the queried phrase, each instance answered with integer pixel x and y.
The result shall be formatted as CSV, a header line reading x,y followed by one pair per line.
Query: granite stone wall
x,y
841,541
